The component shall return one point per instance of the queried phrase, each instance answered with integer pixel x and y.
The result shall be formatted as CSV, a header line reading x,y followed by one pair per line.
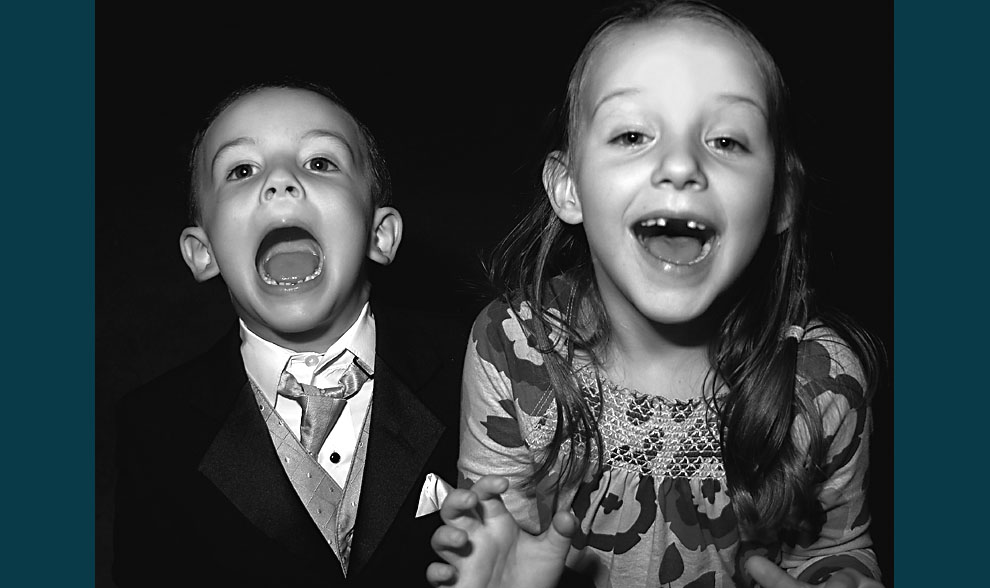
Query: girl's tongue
x,y
680,250
675,240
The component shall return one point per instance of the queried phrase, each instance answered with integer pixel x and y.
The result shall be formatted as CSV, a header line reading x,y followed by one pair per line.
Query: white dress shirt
x,y
264,362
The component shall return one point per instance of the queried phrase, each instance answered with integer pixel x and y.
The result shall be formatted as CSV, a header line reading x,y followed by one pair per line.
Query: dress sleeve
x,y
834,377
495,411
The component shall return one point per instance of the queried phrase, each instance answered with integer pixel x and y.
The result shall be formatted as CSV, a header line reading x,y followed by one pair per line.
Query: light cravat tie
x,y
321,407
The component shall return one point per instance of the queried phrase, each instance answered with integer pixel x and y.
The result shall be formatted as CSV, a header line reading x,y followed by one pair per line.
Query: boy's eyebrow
x,y
226,146
309,135
316,133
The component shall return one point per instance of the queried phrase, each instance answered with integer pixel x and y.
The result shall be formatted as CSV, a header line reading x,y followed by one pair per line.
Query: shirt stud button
x,y
312,360
334,457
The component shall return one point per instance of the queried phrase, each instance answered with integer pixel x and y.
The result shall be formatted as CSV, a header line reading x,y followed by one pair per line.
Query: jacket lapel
x,y
403,433
242,463
402,436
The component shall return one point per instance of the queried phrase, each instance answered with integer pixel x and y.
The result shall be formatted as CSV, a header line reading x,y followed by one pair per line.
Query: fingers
x,y
850,578
441,574
489,491
459,503
490,486
768,575
447,540
562,528
841,579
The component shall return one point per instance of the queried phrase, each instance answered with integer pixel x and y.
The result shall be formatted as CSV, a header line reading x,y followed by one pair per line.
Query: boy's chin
x,y
302,329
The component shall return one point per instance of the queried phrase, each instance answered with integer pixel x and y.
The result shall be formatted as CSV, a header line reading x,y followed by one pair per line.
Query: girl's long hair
x,y
771,480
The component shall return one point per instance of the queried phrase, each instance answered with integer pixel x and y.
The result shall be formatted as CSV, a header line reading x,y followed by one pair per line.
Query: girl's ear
x,y
195,247
560,189
386,233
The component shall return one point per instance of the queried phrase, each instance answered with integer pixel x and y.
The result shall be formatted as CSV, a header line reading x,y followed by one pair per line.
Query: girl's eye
x,y
321,164
630,138
726,144
240,172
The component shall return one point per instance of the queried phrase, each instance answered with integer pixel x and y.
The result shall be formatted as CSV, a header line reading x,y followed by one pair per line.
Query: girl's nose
x,y
282,182
679,167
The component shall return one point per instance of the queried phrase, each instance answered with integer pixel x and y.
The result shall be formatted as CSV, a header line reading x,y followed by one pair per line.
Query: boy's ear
x,y
560,189
196,250
386,233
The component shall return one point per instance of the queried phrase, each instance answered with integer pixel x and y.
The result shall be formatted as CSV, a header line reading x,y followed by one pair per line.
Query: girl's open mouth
x,y
289,256
677,241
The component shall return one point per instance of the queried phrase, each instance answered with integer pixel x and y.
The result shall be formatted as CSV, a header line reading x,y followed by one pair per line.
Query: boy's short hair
x,y
379,178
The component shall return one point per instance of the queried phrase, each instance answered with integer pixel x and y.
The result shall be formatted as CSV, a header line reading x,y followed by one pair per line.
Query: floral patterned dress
x,y
658,514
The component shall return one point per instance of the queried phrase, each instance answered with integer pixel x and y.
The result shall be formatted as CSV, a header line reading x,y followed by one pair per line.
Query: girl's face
x,y
671,170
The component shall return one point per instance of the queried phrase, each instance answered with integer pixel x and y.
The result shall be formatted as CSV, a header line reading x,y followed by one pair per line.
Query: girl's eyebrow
x,y
610,96
727,98
742,99
228,145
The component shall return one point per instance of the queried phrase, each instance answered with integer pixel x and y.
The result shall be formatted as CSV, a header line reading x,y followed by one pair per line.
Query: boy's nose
x,y
282,182
273,191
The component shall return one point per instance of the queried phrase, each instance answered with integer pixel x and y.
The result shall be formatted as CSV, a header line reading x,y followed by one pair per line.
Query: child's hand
x,y
768,575
485,548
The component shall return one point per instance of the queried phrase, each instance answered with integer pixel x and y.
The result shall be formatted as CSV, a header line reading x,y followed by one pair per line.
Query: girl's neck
x,y
661,360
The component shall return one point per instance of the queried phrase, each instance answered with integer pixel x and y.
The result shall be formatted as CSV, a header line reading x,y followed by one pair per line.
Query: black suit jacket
x,y
202,499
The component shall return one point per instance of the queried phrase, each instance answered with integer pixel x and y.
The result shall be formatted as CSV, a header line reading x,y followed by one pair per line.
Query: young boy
x,y
304,446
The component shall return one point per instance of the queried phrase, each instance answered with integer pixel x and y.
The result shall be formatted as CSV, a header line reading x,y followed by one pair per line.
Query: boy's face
x,y
287,216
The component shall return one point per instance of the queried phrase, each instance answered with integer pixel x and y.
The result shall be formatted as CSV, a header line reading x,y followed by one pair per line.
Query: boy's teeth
x,y
291,280
289,257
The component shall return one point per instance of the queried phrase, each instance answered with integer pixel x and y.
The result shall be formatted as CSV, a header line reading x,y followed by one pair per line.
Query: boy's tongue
x,y
674,249
291,261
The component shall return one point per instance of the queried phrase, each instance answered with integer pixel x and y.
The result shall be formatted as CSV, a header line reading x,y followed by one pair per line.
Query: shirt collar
x,y
264,360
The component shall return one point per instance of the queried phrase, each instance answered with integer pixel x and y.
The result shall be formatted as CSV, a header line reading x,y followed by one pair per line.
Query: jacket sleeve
x,y
144,536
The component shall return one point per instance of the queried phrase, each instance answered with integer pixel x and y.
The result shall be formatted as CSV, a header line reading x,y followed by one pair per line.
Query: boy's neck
x,y
316,340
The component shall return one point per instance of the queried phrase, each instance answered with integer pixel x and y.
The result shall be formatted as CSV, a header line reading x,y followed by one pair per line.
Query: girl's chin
x,y
675,309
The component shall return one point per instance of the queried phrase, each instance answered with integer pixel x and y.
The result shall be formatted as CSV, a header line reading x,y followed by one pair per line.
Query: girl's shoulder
x,y
506,333
828,364
511,319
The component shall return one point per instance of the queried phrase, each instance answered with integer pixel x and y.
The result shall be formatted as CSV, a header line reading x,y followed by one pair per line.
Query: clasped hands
x,y
483,547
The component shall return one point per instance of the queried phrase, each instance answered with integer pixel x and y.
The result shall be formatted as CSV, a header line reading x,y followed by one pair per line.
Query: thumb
x,y
769,575
562,529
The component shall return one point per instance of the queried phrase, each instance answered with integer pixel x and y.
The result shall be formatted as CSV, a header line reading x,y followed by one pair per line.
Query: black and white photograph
x,y
520,294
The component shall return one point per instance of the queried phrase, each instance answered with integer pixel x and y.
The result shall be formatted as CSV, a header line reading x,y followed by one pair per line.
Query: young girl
x,y
656,372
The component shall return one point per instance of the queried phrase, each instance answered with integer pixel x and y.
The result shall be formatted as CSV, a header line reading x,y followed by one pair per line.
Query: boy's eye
x,y
321,164
726,144
240,172
630,138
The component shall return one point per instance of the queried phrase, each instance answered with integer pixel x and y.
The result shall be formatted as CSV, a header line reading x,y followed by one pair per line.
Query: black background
x,y
459,97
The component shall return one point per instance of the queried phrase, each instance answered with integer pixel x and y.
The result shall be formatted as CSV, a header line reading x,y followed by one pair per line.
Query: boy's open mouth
x,y
677,241
289,257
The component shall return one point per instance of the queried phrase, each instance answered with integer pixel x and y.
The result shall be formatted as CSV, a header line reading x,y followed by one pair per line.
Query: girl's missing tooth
x,y
657,367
